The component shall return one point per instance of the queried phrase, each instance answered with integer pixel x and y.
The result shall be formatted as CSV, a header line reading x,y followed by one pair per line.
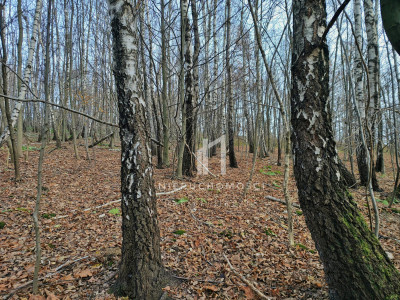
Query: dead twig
x,y
57,270
281,201
90,208
171,192
257,291
198,280
68,263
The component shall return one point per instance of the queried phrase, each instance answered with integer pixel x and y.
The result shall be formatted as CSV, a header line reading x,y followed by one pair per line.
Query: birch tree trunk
x,y
356,266
374,81
27,71
141,272
4,71
361,150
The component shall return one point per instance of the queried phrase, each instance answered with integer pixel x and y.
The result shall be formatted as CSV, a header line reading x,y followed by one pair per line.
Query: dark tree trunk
x,y
188,157
363,168
380,164
279,142
231,144
141,273
356,266
348,177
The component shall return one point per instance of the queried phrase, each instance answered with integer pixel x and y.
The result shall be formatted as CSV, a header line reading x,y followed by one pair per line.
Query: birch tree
x,y
355,265
27,71
374,82
141,272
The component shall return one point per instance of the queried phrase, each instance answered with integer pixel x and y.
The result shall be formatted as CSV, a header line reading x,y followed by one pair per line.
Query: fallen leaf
x,y
211,288
36,297
67,277
84,273
51,296
248,292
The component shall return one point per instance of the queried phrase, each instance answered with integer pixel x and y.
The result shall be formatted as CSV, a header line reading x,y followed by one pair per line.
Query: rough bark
x,y
356,266
348,177
390,11
141,272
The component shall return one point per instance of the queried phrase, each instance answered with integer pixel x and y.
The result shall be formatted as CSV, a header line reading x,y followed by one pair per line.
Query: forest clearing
x,y
199,224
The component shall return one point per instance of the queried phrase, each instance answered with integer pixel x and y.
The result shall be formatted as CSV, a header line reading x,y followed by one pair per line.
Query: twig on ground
x,y
90,208
389,238
57,270
198,220
194,279
281,201
257,291
70,263
119,200
171,192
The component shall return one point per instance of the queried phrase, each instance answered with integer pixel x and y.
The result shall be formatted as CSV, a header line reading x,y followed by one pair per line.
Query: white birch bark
x,y
357,59
27,71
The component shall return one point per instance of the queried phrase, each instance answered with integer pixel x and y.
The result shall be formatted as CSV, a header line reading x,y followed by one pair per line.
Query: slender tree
x,y
164,71
35,215
188,131
232,157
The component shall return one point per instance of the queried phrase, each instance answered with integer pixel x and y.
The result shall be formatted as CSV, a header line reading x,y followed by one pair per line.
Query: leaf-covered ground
x,y
81,234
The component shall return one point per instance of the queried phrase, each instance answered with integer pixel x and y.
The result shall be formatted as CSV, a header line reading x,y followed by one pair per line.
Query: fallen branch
x,y
281,201
257,291
68,263
90,208
171,192
103,139
198,280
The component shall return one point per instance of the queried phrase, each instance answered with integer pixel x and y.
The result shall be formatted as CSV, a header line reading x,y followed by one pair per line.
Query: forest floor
x,y
81,235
